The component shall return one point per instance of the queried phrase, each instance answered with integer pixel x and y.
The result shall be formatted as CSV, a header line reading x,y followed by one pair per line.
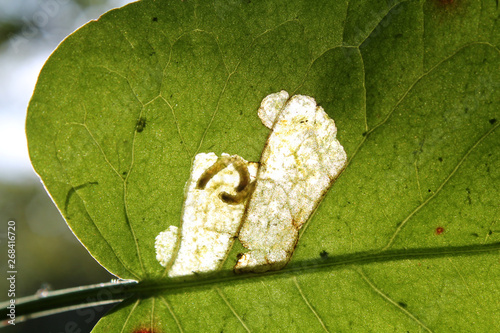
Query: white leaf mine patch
x,y
165,245
216,194
300,161
271,106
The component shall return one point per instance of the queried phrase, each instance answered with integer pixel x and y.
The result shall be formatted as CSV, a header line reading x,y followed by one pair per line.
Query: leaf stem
x,y
104,293
53,302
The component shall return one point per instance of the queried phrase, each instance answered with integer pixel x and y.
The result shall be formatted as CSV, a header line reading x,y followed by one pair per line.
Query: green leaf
x,y
125,103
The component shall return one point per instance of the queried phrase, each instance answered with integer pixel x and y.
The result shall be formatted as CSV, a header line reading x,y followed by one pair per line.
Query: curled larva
x,y
215,201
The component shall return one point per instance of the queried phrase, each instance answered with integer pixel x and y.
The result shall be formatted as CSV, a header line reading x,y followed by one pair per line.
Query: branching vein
x,y
309,304
232,309
129,315
172,313
403,223
388,299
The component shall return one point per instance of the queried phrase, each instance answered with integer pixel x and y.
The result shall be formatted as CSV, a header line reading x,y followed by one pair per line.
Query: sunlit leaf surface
x,y
125,103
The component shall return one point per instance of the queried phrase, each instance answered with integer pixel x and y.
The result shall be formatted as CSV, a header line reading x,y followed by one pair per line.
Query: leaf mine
x,y
209,224
301,160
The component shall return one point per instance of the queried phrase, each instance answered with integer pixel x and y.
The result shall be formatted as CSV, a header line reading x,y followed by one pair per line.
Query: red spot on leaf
x,y
143,330
147,330
447,5
439,230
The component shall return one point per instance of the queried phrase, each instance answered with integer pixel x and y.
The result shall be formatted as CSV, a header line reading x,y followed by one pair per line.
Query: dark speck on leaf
x,y
403,304
323,254
474,234
141,124
440,159
364,133
492,121
154,19
490,232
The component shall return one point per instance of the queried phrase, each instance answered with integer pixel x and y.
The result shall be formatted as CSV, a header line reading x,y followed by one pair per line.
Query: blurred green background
x,y
48,255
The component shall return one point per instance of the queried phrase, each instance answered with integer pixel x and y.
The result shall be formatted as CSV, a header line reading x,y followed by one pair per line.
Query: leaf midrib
x,y
313,265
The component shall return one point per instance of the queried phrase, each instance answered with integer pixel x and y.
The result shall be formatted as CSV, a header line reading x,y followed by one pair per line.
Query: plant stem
x,y
105,293
52,302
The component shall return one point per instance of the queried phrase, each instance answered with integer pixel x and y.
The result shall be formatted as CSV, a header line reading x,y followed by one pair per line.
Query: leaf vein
x,y
172,313
125,201
462,160
418,181
104,238
84,124
380,21
130,315
152,313
348,4
232,309
417,80
368,133
388,299
127,80
309,304
183,142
